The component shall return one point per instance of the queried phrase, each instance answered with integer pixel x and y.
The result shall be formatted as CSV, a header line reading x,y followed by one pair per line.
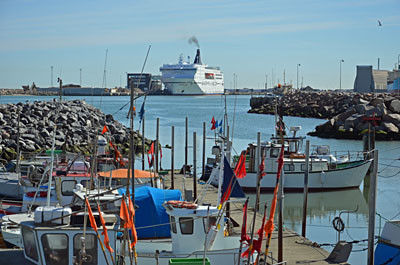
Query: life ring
x,y
182,204
297,156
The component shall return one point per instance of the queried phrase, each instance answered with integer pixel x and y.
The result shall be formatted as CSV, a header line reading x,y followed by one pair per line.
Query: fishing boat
x,y
388,249
55,235
327,171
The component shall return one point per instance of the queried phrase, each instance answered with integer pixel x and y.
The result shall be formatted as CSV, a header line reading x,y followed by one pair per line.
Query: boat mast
x,y
51,165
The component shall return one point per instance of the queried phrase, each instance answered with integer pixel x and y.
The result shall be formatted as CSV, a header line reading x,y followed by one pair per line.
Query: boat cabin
x,y
48,242
194,227
294,161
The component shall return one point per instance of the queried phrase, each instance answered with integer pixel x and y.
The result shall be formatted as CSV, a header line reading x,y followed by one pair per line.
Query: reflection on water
x,y
322,207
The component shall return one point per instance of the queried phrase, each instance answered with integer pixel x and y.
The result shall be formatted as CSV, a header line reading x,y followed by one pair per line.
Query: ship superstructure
x,y
197,78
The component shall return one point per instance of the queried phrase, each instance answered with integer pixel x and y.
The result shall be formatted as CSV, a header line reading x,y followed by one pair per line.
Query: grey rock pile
x,y
320,105
77,124
351,124
345,112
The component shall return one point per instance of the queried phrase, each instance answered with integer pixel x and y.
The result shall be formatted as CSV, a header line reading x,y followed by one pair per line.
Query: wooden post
x,y
204,150
228,157
372,209
258,156
258,190
306,172
280,221
194,168
157,143
17,169
172,156
60,81
228,145
186,141
143,143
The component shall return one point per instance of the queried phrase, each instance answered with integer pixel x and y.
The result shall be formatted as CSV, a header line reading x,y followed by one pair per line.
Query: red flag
x,y
91,217
262,167
151,152
269,227
213,124
124,214
244,236
240,169
117,155
132,214
106,238
257,243
105,129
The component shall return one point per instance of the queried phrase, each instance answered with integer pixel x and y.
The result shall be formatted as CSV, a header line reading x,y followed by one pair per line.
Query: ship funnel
x,y
197,60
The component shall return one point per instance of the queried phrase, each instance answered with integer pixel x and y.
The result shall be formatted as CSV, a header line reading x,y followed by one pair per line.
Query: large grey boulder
x,y
395,106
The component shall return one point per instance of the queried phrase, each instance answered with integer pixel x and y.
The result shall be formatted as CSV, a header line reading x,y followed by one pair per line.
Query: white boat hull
x,y
342,178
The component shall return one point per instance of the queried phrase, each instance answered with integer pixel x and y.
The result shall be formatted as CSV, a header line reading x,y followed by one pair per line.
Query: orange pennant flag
x,y
124,214
91,217
105,129
132,212
105,233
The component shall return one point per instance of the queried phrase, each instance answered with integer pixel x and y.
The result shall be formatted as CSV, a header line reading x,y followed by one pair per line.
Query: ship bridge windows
x,y
186,225
90,247
288,167
208,222
209,76
274,152
173,224
55,249
30,247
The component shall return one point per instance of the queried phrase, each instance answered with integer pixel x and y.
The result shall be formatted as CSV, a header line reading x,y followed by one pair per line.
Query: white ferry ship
x,y
197,78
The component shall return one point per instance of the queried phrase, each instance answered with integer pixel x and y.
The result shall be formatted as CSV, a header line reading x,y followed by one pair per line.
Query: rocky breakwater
x,y
77,124
320,105
352,125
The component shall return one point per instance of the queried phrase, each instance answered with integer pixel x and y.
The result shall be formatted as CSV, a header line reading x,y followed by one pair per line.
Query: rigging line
x,y
104,78
387,177
140,77
388,165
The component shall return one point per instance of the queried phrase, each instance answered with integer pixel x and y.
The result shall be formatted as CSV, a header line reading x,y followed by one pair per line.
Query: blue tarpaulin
x,y
150,211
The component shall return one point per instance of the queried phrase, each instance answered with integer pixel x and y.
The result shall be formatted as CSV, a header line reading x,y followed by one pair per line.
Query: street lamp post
x,y
298,75
80,76
340,75
398,62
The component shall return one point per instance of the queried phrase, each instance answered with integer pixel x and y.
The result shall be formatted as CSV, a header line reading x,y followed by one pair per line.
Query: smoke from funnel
x,y
194,40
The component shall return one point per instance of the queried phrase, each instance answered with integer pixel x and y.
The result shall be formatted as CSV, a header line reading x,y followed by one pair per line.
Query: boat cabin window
x,y
173,224
186,225
303,167
90,248
274,152
55,249
67,187
85,183
288,167
29,243
208,222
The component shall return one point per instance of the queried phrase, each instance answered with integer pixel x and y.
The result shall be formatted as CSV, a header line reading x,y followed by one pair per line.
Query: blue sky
x,y
249,38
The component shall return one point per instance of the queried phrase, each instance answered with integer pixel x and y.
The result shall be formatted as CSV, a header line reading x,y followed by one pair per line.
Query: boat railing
x,y
343,156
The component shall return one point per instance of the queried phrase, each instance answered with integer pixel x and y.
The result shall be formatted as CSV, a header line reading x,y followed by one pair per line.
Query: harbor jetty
x,y
347,113
76,122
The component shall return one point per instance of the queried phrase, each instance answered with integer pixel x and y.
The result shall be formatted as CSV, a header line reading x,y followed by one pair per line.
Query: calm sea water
x,y
323,207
